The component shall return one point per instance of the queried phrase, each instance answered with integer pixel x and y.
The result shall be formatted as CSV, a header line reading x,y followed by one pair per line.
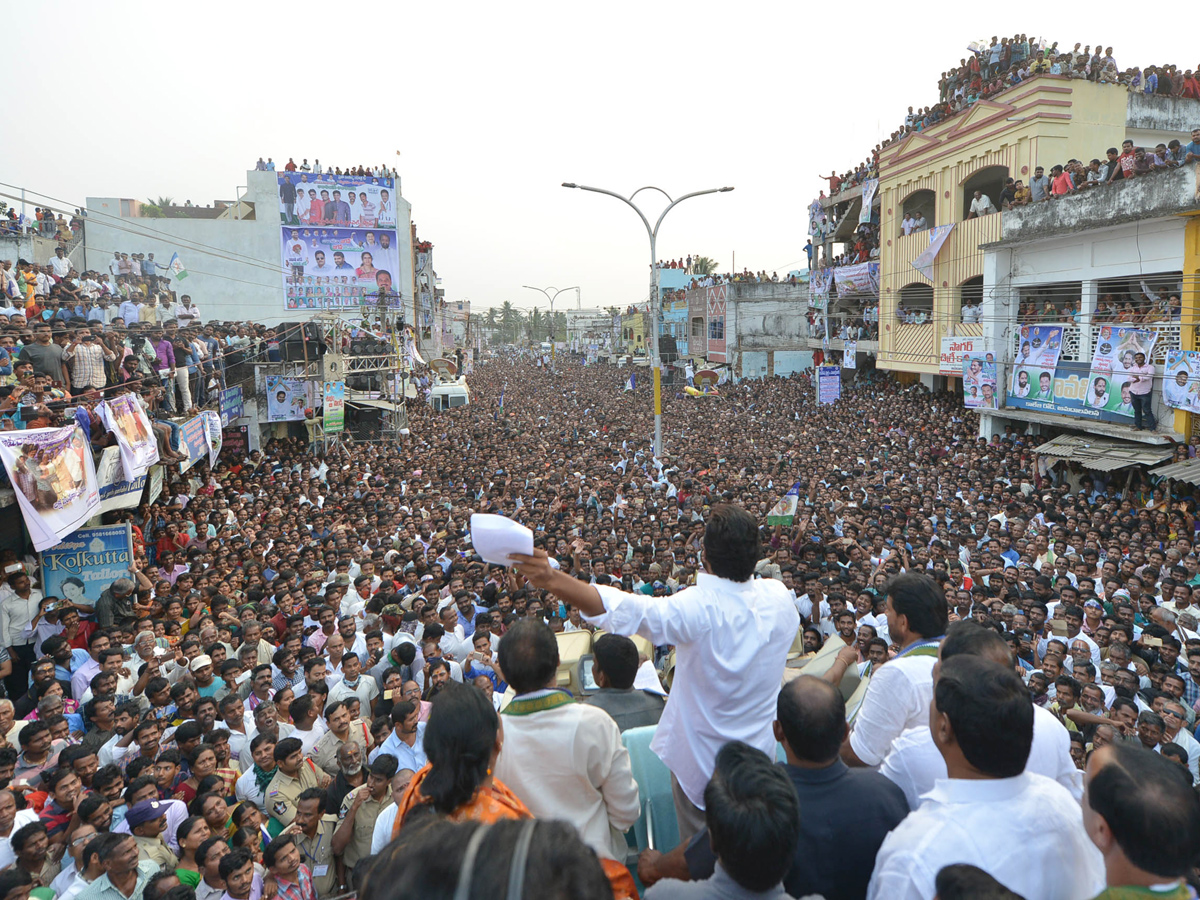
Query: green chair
x,y
657,827
42,893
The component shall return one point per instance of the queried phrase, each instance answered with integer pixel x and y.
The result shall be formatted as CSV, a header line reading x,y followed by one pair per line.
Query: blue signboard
x,y
829,384
232,404
86,562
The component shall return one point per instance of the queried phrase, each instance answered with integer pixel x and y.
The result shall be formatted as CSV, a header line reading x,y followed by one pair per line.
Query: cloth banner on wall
x,y
1181,380
860,280
850,355
937,237
286,399
55,480
829,384
868,197
1110,376
126,419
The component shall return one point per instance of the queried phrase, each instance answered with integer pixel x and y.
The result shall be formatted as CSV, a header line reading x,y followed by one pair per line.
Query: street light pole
x,y
547,291
655,306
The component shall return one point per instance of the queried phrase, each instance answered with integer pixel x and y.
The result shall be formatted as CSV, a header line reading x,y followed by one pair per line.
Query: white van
x,y
449,395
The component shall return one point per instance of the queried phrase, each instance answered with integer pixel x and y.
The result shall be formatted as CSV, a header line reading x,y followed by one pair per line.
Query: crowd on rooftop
x,y
317,168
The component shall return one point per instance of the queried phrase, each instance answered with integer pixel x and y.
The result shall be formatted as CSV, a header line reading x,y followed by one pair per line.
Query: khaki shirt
x,y
325,751
154,850
317,853
284,791
364,824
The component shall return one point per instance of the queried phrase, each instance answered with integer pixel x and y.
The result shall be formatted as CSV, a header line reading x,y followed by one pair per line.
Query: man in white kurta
x,y
563,759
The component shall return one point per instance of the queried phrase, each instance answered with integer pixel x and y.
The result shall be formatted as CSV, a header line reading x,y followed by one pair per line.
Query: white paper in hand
x,y
495,537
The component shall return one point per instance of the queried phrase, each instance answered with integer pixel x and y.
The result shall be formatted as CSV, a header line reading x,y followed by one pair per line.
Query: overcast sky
x,y
493,106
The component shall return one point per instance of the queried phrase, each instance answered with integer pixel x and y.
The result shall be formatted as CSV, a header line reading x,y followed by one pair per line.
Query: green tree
x,y
536,324
703,265
510,323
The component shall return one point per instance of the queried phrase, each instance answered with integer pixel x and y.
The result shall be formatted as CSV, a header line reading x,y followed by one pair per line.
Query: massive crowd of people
x,y
294,691
359,171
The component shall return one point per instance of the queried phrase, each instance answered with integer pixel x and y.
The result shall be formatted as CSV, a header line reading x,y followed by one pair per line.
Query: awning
x,y
377,404
1188,470
1103,454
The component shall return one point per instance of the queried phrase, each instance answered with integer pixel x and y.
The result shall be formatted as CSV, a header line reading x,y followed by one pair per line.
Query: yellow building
x,y
633,333
1044,121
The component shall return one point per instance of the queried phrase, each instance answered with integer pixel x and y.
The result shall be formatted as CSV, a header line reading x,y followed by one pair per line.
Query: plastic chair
x,y
657,827
43,893
571,646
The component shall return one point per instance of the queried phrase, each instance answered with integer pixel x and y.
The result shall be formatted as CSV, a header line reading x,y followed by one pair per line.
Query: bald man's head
x,y
810,721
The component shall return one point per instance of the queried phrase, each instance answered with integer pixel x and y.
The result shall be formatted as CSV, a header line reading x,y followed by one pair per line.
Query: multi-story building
x,y
1044,121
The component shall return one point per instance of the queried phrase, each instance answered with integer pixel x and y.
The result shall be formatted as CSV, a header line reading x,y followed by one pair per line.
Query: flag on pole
x,y
784,512
631,383
502,398
176,266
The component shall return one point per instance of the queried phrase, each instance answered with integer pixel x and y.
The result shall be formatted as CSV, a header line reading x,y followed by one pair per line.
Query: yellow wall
x,y
1055,119
636,322
1190,315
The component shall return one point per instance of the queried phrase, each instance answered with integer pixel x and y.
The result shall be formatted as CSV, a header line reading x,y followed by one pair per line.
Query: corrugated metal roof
x,y
1188,470
1103,454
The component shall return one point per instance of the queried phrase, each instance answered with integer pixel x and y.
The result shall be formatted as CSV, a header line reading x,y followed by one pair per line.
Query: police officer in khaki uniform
x,y
360,808
147,820
314,837
341,730
295,775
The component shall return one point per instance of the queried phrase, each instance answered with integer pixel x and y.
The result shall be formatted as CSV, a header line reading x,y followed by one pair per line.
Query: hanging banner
x,y
954,349
156,476
215,438
937,237
334,419
868,197
236,439
286,399
86,562
829,384
816,218
819,283
1110,375
859,280
1032,382
850,355
126,419
52,471
193,436
115,491
1181,380
978,373
232,405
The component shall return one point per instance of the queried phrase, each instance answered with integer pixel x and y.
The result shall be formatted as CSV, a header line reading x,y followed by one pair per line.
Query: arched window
x,y
916,304
970,299
920,205
989,182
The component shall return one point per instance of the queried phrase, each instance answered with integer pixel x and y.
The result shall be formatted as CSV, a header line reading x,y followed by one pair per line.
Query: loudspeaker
x,y
365,423
299,341
668,351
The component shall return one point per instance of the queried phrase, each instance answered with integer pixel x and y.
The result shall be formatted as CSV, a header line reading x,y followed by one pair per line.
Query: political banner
x,y
193,436
338,240
784,512
829,384
215,438
1109,379
954,350
937,238
334,418
156,477
850,355
126,419
868,197
52,471
1032,382
115,492
236,439
860,280
1181,380
232,404
86,562
819,283
978,372
286,399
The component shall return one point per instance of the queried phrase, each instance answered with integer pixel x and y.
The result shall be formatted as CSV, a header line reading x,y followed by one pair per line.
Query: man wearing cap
x,y
294,776
202,673
147,821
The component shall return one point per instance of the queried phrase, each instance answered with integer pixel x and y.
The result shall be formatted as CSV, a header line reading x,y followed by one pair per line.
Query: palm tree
x,y
703,265
510,323
536,323
156,209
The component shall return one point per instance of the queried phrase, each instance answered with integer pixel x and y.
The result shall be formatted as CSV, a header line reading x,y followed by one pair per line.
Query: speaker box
x,y
299,341
668,351
365,423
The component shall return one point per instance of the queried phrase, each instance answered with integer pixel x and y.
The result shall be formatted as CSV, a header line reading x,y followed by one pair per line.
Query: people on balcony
x,y
981,205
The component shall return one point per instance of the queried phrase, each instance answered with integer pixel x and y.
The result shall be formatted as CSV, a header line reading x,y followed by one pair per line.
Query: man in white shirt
x,y
1023,829
981,205
899,693
564,760
59,264
731,634
915,764
907,225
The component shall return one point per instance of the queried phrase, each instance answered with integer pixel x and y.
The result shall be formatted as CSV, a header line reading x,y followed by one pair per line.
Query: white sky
x,y
493,106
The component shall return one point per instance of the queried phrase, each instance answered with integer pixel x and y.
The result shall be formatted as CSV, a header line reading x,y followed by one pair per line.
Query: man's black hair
x,y
731,543
617,657
921,601
528,656
990,711
753,816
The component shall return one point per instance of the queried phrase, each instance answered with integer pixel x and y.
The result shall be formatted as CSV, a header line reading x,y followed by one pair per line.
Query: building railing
x,y
1169,338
